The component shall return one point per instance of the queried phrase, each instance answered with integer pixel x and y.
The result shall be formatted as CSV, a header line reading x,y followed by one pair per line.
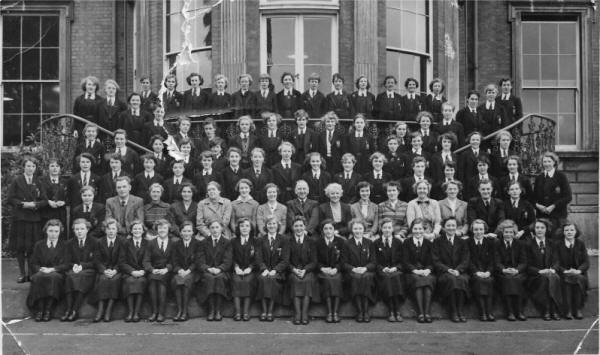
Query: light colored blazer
x,y
263,212
241,209
430,211
371,219
460,214
209,211
397,214
133,210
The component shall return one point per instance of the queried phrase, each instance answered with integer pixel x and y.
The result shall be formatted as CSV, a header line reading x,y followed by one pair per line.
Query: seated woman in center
x,y
329,250
335,210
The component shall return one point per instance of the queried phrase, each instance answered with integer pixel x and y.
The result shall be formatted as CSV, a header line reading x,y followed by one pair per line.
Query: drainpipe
x,y
475,46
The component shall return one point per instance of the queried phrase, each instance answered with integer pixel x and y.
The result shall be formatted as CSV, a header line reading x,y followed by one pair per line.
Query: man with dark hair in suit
x,y
125,208
486,207
302,206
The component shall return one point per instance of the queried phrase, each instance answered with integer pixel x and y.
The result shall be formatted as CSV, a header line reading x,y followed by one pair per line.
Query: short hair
x,y
215,184
265,76
422,114
180,161
186,141
207,154
120,131
168,77
246,118
479,221
450,164
301,181
90,125
217,141
314,76
156,137
266,116
485,182
107,222
336,76
245,75
287,73
243,181
123,178
149,157
83,221
145,77
363,185
400,123
189,78
388,77
29,158
333,187
416,221
348,156
222,77
360,115
449,218
272,219
286,144
299,218
161,222
87,188
136,222
258,150
408,80
326,222
456,183
183,118
301,114
393,183
132,95
473,134
568,223
483,159
545,222
378,155
186,223
269,186
515,158
503,133
91,78
88,156
391,138
330,116
113,83
507,223
552,156
156,185
53,223
503,80
448,104
116,157
239,222
489,87
448,136
473,92
233,150
385,220
355,221
437,80
187,184
358,80
422,182
418,159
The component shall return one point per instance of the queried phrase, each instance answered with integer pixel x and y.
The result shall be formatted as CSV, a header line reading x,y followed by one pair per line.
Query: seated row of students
x,y
300,270
112,113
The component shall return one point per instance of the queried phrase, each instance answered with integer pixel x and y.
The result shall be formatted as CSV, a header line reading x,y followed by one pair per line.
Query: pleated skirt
x,y
543,288
482,286
82,281
390,284
45,285
362,285
243,285
133,285
331,285
270,287
447,283
212,284
107,288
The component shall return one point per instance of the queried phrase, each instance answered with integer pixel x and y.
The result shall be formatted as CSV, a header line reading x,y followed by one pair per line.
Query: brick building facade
x,y
466,43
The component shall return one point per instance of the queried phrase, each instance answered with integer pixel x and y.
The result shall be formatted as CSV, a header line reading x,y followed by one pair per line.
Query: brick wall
x,y
92,43
253,40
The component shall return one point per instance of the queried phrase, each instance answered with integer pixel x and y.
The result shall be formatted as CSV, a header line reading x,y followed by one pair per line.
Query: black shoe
x,y
336,318
511,317
39,316
296,321
270,317
218,317
483,317
160,318
329,318
136,318
367,317
455,319
263,317
73,316
399,317
568,316
47,316
152,317
246,317
359,318
420,318
491,317
546,316
305,321
65,317
578,315
521,317
391,318
210,317
107,317
129,318
184,317
237,317
462,319
555,316
21,279
428,319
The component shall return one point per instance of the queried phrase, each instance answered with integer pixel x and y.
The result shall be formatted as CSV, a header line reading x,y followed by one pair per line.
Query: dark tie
x,y
137,245
329,136
446,159
418,244
271,243
359,245
542,247
52,245
80,243
110,244
122,203
162,246
302,205
214,243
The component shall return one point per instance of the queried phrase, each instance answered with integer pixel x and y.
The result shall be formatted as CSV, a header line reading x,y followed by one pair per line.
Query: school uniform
x,y
266,102
339,102
285,177
85,256
273,254
133,124
396,212
125,215
472,189
107,187
521,212
482,259
219,100
244,256
433,104
331,147
412,104
303,256
543,288
317,184
153,128
94,214
173,189
470,120
244,103
361,147
492,214
407,193
172,102
389,254
493,117
230,178
574,256
329,254
217,254
149,98
56,190
202,179
259,181
511,255
131,161
26,228
191,166
108,257
304,142
452,126
436,165
245,144
315,104
96,149
110,110
184,258
377,181
159,256
526,189
220,163
355,254
397,165
269,141
243,209
142,182
412,153
467,165
498,161
553,190
449,254
181,214
195,99
430,141
349,182
88,108
131,259
325,212
45,285
389,108
362,103
368,214
418,256
513,108
308,210
163,162
288,102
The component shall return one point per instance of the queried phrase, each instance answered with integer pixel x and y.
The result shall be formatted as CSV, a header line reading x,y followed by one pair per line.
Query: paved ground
x,y
282,337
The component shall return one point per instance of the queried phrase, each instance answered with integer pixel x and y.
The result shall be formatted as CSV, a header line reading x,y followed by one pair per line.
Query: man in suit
x,y
173,184
149,98
286,172
303,138
91,211
513,108
83,178
485,207
92,145
312,100
125,208
493,115
259,178
450,125
468,115
107,187
302,206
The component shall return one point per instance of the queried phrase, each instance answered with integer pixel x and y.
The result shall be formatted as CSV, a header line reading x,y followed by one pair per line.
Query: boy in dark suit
x,y
338,101
106,187
448,124
259,175
486,207
388,105
245,141
92,145
329,143
493,115
288,99
313,101
149,98
143,180
513,108
130,159
244,100
266,100
173,184
232,173
303,137
91,211
83,178
468,116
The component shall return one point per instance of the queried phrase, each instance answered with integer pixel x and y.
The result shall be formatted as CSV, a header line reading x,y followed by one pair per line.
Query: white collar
x,y
358,240
92,95
567,244
417,240
551,172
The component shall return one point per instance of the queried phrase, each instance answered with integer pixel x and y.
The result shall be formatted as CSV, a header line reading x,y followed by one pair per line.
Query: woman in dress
x,y
158,266
245,264
365,210
271,208
389,269
244,205
425,208
185,209
184,269
394,209
451,206
213,208
329,250
132,267
336,210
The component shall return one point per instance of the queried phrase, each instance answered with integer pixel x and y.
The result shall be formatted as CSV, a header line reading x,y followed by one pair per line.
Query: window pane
x,y
531,101
12,130
175,35
403,66
549,70
531,38
317,41
31,97
31,64
12,64
12,91
549,38
201,4
50,97
531,69
393,24
567,38
201,34
50,29
566,101
324,72
394,3
174,6
548,102
276,71
421,33
31,31
409,30
420,6
409,5
12,31
49,64
280,41
203,66
567,129
30,126
567,65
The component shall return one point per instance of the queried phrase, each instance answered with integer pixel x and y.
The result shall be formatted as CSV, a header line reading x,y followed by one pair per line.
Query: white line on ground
x,y
19,343
585,336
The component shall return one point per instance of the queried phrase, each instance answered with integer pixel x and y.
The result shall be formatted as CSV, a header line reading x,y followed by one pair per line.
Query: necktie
x,y
389,242
513,179
257,173
298,240
302,204
446,158
28,180
52,245
118,151
329,136
234,170
214,242
85,180
110,244
148,176
162,246
186,244
115,176
347,176
542,246
504,153
473,111
359,135
271,243
315,176
80,243
88,96
122,203
137,245
176,181
418,244
451,240
359,244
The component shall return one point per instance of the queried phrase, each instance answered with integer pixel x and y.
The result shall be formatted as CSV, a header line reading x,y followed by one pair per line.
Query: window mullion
x,y
299,55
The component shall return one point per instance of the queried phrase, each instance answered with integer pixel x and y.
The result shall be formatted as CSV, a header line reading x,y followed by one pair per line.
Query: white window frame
x,y
299,44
